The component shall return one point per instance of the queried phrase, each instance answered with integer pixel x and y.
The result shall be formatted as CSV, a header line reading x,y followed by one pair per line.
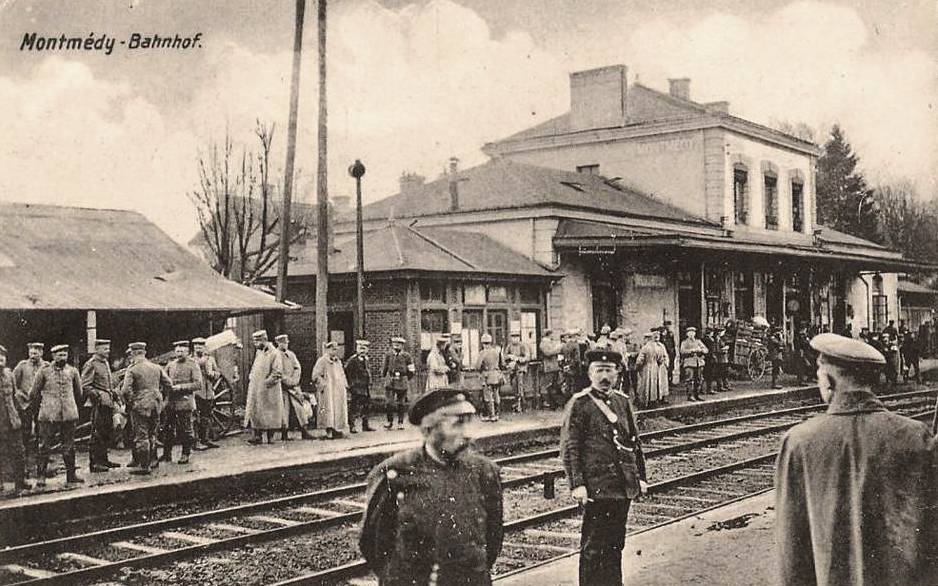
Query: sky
x,y
414,82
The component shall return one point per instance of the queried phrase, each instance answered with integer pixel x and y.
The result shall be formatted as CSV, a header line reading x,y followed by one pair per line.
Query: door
x,y
497,326
341,332
471,334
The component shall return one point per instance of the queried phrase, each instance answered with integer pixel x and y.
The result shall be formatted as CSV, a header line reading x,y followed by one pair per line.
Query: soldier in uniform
x,y
23,375
205,396
185,374
776,354
57,391
437,369
666,339
517,356
397,370
489,364
454,360
293,398
692,359
602,456
358,374
143,388
96,383
855,487
548,394
12,453
570,351
434,510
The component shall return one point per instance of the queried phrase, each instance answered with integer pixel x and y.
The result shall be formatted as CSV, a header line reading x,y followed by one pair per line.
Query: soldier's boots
x,y
167,455
305,434
285,435
270,436
184,459
352,428
210,444
71,476
365,426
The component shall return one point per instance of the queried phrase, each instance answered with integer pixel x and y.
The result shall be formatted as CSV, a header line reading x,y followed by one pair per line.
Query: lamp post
x,y
357,170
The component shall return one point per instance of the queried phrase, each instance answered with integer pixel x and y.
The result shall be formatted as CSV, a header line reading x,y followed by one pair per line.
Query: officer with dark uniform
x,y
434,513
398,369
12,453
144,384
96,383
358,374
605,466
23,374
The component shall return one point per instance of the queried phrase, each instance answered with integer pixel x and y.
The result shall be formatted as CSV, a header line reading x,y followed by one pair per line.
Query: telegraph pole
x,y
283,259
322,198
357,170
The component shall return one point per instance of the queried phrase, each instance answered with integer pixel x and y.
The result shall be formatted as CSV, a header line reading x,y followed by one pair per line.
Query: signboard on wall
x,y
647,281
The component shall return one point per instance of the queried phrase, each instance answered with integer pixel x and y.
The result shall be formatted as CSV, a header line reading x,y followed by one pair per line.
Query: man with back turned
x,y
602,455
855,486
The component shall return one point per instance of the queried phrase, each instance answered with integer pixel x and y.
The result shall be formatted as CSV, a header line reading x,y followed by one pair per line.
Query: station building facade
x,y
652,207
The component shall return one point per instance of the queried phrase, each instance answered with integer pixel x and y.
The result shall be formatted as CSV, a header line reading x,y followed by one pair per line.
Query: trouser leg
x,y
143,448
602,541
101,431
45,430
13,456
169,432
68,450
184,430
401,406
390,398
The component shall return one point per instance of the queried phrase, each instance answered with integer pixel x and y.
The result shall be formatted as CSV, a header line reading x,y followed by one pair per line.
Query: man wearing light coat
x,y
332,386
264,408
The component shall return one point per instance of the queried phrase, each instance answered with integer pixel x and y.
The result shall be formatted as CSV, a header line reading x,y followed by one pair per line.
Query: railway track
x,y
98,554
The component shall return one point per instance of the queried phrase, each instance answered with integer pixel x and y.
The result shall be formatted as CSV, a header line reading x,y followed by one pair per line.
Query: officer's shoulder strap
x,y
620,393
582,393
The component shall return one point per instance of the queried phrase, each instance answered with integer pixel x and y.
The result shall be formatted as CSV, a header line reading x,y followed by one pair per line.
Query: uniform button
x,y
400,496
392,474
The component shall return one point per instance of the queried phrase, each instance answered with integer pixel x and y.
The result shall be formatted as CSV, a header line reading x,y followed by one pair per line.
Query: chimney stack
x,y
453,184
599,98
410,182
680,88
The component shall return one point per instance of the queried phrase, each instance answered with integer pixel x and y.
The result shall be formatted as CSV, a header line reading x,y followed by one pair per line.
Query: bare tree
x,y
239,210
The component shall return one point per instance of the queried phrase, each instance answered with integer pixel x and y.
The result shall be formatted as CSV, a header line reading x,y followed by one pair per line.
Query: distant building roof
x,y
910,287
397,248
503,184
54,257
644,116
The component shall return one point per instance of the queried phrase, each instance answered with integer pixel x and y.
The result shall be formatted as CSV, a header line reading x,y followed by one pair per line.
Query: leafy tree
x,y
906,223
844,200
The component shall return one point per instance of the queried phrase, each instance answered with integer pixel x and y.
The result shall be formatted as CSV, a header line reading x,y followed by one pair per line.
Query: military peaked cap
x,y
137,346
847,350
398,339
452,401
362,343
38,345
198,340
282,338
600,355
332,344
183,343
259,335
3,350
102,342
60,348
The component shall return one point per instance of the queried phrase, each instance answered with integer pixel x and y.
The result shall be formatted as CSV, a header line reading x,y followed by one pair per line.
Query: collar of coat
x,y
850,402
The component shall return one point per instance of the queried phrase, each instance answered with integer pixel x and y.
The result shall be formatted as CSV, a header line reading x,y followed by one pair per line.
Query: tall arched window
x,y
740,193
797,200
770,195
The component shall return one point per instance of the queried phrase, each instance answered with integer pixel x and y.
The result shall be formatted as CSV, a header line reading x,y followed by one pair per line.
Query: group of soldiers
x,y
43,398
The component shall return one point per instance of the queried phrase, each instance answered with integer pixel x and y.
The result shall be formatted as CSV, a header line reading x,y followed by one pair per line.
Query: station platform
x,y
733,545
239,465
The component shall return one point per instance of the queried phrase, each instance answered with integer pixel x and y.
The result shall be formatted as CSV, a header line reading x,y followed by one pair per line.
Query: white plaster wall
x,y
571,299
667,166
754,152
861,299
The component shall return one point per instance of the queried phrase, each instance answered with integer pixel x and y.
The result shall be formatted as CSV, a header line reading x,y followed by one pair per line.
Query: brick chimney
x,y
410,182
599,98
453,184
679,88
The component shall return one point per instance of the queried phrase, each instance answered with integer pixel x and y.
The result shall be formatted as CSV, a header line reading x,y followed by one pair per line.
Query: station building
x,y
649,206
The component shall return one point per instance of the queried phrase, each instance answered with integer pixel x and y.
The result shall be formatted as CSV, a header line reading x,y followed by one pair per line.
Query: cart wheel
x,y
756,366
224,418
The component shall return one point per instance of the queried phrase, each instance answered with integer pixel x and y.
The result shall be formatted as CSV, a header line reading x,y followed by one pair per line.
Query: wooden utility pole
x,y
322,198
283,259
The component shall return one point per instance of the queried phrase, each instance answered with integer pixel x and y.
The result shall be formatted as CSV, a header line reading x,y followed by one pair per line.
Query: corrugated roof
x,y
503,184
57,257
401,248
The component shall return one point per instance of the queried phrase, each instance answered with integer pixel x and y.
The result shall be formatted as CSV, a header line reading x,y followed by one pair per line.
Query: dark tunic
x,y
358,375
398,369
855,498
423,514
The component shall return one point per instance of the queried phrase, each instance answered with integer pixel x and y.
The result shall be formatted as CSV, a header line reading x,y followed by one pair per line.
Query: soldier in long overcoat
x,y
185,374
264,408
57,391
652,365
358,375
332,387
294,402
12,453
96,384
23,374
855,486
437,368
602,456
434,507
205,397
143,390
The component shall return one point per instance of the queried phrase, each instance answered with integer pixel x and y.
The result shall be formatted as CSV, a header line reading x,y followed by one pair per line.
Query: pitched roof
x,y
649,107
54,257
909,287
503,184
397,248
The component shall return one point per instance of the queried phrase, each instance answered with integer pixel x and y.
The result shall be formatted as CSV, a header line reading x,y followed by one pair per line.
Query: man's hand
x,y
643,486
579,493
